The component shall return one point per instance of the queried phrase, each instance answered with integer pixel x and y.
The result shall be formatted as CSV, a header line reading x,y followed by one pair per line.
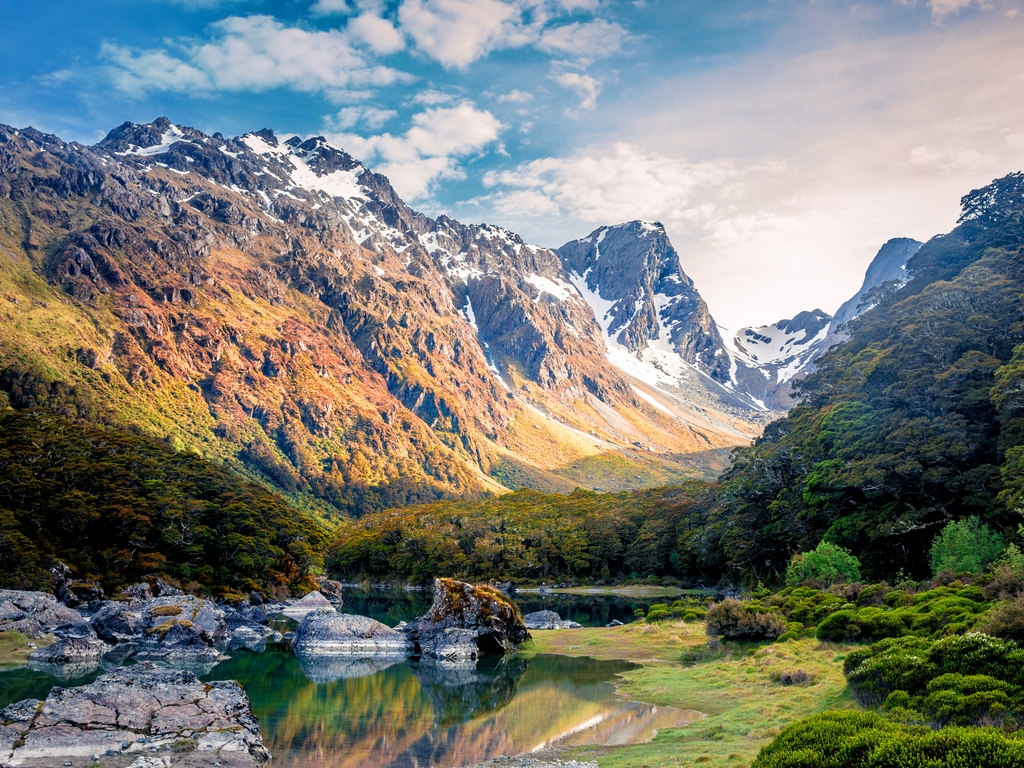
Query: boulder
x,y
115,623
245,633
182,629
325,632
135,710
483,612
614,623
35,614
311,602
452,644
332,591
548,620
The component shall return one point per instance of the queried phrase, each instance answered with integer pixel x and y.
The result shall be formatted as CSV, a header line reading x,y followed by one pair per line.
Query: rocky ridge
x,y
275,305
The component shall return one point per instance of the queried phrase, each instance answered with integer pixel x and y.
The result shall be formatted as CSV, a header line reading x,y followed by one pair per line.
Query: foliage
x,y
521,535
826,564
940,611
117,507
965,545
736,620
867,740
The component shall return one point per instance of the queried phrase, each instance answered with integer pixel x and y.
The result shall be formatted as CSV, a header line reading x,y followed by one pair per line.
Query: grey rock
x,y
142,707
70,650
490,621
332,590
614,623
115,623
183,629
35,614
548,620
311,602
324,632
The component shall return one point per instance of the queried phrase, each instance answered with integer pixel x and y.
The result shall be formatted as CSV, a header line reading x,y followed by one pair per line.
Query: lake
x,y
349,712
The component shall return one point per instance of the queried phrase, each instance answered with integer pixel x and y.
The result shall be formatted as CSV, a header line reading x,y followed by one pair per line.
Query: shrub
x,y
840,627
657,615
827,564
867,740
792,677
965,545
741,621
1004,620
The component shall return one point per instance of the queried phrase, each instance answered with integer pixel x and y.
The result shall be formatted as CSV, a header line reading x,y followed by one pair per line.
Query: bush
x,y
657,615
965,545
1004,620
742,621
867,740
826,564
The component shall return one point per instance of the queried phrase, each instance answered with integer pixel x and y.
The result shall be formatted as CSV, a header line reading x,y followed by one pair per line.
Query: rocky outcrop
x,y
314,601
548,620
332,590
35,614
467,621
115,623
182,629
133,710
324,632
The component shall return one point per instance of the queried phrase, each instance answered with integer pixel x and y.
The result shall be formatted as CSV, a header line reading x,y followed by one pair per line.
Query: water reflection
x,y
422,712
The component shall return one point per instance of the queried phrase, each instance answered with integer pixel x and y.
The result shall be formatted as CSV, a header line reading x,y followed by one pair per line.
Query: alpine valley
x,y
275,307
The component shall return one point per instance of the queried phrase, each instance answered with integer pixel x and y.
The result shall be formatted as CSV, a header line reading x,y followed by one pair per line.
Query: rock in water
x,y
311,602
325,632
548,620
133,710
182,629
115,623
485,616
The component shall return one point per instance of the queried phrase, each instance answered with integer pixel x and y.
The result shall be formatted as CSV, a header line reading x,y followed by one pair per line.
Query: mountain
x,y
770,359
915,421
274,305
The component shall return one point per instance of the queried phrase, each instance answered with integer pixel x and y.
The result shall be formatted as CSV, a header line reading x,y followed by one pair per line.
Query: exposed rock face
x,y
548,620
114,623
324,632
644,299
314,601
130,710
463,616
182,629
76,643
35,614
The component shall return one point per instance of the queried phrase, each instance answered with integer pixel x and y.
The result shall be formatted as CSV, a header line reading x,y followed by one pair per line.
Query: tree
x,y
826,563
965,545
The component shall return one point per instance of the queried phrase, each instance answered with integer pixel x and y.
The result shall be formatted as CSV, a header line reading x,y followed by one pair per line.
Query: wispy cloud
x,y
585,86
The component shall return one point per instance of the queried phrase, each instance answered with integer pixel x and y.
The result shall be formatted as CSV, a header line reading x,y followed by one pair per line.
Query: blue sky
x,y
780,141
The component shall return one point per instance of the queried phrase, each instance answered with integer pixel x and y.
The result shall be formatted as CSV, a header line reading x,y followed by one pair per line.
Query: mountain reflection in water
x,y
349,713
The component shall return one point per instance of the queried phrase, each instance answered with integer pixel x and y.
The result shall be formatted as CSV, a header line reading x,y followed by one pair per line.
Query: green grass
x,y
14,649
730,684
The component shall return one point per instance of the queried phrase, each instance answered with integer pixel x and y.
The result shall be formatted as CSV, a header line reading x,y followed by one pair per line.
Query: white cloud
x,y
942,8
614,184
372,117
429,150
516,96
251,53
594,39
952,158
330,7
457,32
432,98
378,34
586,87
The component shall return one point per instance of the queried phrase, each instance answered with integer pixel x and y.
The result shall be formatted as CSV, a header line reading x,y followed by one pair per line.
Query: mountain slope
x,y
915,421
274,305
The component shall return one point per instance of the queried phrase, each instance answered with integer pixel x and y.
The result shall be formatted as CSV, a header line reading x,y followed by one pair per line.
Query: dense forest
x,y
116,507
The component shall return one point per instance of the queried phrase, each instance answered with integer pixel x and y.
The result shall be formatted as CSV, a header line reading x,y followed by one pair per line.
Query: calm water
x,y
366,713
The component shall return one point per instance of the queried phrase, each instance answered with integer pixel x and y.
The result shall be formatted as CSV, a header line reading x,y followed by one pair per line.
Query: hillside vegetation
x,y
117,507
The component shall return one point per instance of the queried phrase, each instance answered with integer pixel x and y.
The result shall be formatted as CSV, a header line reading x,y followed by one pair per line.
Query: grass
x,y
14,649
729,683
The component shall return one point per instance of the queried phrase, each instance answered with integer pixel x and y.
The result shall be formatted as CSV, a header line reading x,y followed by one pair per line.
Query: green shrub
x,y
657,615
1004,620
827,564
867,740
743,621
840,627
965,545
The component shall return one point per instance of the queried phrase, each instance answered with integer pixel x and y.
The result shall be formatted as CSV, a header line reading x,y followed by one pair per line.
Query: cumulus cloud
x,y
457,32
617,183
593,39
250,53
429,151
942,8
586,87
372,117
376,33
